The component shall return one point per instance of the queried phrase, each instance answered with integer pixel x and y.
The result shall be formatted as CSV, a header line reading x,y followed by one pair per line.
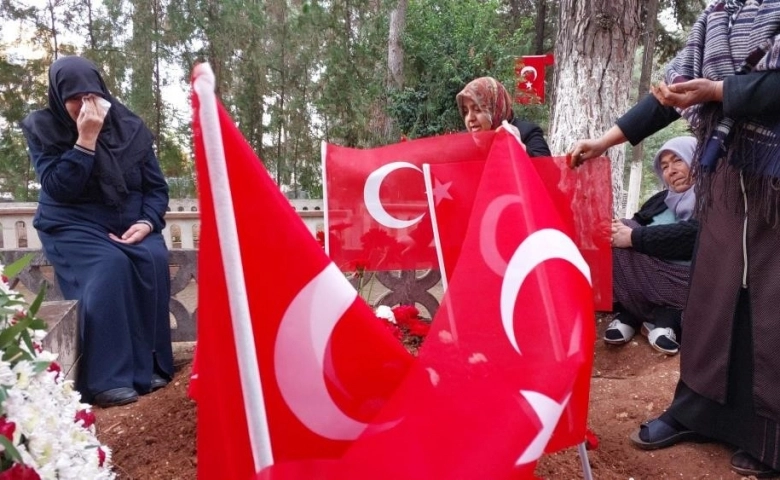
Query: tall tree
x,y
637,153
594,56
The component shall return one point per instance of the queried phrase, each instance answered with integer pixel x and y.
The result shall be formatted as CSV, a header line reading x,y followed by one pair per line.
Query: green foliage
x,y
447,45
291,74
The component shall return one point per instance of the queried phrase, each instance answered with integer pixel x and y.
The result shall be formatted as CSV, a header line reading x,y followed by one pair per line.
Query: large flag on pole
x,y
499,379
272,306
504,372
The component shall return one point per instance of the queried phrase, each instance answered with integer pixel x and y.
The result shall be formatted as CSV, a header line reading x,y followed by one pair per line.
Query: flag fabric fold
x,y
323,364
584,210
503,375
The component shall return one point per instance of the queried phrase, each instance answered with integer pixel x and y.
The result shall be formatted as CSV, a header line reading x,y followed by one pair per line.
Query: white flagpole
x,y
584,461
249,372
434,222
325,203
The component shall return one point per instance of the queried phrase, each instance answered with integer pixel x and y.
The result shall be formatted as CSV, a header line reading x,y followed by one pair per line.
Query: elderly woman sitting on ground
x,y
652,255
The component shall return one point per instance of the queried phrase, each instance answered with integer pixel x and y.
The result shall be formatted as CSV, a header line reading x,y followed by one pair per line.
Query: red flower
x,y
54,367
359,266
419,328
19,471
7,428
85,416
5,279
101,456
406,314
38,347
17,316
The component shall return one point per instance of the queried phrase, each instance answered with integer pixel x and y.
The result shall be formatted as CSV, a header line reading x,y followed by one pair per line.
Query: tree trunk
x,y
395,62
635,177
594,56
541,19
395,51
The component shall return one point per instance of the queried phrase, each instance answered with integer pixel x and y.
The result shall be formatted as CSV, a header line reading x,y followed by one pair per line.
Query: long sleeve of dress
x,y
645,118
155,191
754,95
535,144
63,176
674,241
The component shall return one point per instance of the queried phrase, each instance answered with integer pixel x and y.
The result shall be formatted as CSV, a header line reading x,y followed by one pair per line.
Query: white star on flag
x,y
528,85
549,412
441,191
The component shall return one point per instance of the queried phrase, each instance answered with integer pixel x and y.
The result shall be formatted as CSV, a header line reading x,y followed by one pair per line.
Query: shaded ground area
x,y
155,437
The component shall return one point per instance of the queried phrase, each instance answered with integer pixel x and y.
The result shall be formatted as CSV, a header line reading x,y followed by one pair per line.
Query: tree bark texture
x,y
539,24
594,56
395,51
637,154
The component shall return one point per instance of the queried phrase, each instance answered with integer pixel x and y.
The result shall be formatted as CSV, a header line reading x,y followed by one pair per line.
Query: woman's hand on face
x,y
685,94
90,121
134,234
585,150
621,235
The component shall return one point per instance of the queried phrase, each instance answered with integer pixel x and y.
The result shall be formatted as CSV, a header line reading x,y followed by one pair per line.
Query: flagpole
x,y
584,461
325,206
249,372
434,222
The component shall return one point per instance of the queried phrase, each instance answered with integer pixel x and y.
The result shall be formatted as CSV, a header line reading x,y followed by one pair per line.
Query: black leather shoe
x,y
115,397
158,382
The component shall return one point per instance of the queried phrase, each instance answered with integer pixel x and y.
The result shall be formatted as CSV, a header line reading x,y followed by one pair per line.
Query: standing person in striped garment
x,y
726,83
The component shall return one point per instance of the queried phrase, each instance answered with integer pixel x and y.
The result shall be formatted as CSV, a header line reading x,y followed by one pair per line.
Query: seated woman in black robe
x,y
100,218
651,255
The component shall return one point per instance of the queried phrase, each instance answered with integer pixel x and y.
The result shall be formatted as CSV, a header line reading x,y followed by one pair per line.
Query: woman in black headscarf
x,y
100,218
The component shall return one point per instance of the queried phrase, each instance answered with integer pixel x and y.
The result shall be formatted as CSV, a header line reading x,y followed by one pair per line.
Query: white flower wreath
x,y
46,432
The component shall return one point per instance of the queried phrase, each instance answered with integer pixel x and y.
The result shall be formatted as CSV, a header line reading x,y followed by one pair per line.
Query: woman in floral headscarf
x,y
485,104
726,83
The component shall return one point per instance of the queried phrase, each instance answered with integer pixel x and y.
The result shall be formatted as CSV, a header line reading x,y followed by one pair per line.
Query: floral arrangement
x,y
406,324
45,430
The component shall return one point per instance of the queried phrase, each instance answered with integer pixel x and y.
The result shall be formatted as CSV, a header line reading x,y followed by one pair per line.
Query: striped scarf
x,y
732,37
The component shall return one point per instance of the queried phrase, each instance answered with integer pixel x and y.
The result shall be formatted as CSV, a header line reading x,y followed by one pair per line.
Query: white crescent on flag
x,y
542,245
549,412
299,354
373,203
487,232
527,69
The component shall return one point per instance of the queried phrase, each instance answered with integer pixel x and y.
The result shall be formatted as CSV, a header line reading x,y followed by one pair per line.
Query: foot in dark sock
x,y
659,433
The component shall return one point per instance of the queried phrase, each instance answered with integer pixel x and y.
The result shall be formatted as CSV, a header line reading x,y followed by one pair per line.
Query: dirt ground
x,y
155,437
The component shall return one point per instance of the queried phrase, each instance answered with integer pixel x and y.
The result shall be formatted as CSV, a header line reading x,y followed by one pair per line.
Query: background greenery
x,y
292,73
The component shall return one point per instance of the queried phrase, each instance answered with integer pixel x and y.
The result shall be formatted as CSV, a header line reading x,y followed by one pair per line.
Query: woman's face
x,y
475,119
676,173
73,105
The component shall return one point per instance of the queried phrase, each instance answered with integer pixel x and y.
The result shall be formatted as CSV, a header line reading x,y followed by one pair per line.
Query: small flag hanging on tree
x,y
529,71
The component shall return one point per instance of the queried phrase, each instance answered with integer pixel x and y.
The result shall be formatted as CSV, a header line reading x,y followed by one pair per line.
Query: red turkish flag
x,y
504,373
375,205
575,193
291,363
529,71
